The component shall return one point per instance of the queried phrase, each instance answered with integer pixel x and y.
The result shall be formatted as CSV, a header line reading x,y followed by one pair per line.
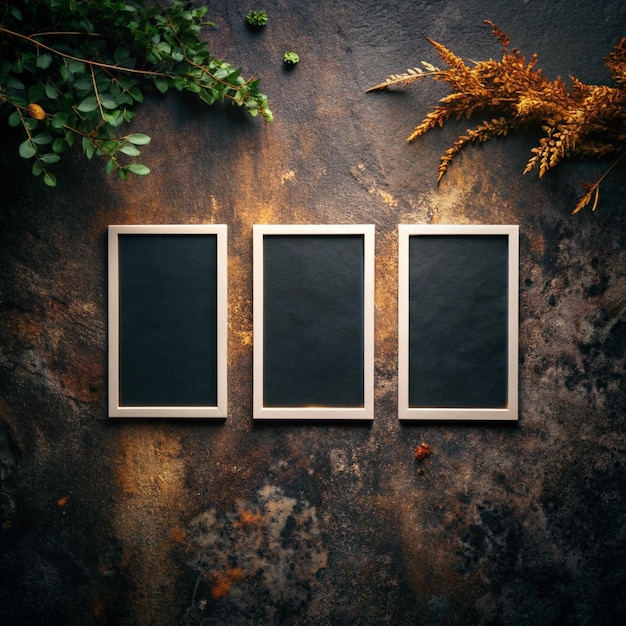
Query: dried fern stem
x,y
578,122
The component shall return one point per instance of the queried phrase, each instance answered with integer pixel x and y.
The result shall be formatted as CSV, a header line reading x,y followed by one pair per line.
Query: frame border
x,y
406,412
114,408
366,412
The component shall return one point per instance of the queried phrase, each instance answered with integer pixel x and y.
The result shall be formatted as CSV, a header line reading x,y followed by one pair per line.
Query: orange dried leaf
x,y
422,451
35,111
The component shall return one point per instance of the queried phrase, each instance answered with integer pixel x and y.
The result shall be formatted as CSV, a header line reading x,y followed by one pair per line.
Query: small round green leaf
x,y
88,104
14,83
88,148
51,91
14,118
59,120
107,102
139,169
50,179
44,61
50,158
130,150
115,118
27,149
36,92
161,83
135,94
59,145
139,139
42,139
76,67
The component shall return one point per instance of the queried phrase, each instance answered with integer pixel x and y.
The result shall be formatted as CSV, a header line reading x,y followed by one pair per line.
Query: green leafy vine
x,y
76,70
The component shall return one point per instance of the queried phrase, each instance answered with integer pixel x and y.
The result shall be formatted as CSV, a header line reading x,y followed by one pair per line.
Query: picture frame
x,y
458,322
167,328
313,289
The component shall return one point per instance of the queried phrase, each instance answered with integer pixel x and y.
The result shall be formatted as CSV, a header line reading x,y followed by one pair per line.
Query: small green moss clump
x,y
291,58
257,19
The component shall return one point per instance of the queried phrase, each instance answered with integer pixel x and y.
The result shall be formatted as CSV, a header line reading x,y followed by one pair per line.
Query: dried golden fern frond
x,y
550,151
593,189
406,78
616,62
584,121
454,62
436,117
483,132
500,34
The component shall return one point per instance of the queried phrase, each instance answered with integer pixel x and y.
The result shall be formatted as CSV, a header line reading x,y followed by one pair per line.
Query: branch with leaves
x,y
72,70
581,121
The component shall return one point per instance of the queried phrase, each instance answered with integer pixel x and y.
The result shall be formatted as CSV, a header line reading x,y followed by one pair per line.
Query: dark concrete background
x,y
165,522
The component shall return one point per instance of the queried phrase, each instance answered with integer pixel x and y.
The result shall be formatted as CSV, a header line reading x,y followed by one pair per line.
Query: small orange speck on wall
x,y
235,574
422,451
220,587
222,583
63,501
247,518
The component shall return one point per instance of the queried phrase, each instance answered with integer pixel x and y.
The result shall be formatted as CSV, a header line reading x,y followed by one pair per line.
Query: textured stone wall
x,y
234,523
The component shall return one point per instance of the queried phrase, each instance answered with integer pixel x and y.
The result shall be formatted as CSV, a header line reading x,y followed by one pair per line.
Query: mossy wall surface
x,y
235,523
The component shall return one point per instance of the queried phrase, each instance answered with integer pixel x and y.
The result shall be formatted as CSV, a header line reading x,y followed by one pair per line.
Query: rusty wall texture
x,y
234,523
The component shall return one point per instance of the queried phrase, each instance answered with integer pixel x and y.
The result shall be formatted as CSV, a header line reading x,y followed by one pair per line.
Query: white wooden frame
x,y
406,412
365,412
116,409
